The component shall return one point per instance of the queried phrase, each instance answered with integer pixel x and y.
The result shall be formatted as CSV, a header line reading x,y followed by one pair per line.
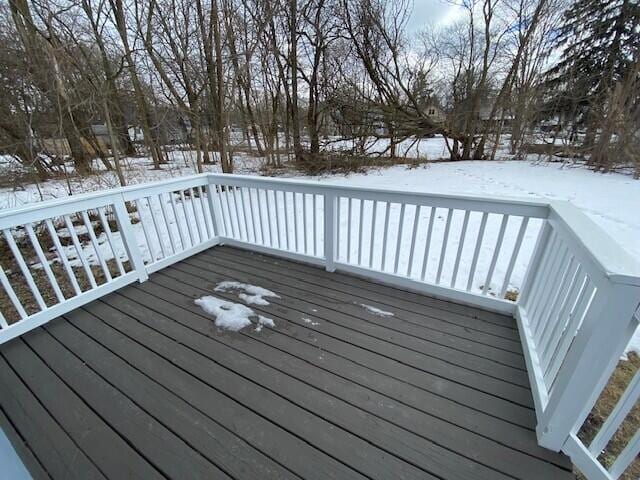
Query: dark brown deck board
x,y
470,370
365,351
435,320
439,391
352,305
195,354
341,413
55,449
109,452
427,303
502,329
285,360
221,447
351,300
158,445
156,357
23,449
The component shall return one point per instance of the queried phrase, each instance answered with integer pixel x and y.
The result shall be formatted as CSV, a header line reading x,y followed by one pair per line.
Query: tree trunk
x,y
114,143
293,66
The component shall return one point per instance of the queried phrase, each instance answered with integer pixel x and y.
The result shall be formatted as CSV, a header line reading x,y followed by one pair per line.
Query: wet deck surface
x,y
141,384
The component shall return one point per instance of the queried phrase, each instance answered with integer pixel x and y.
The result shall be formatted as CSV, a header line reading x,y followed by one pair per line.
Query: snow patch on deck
x,y
264,322
232,316
251,294
375,310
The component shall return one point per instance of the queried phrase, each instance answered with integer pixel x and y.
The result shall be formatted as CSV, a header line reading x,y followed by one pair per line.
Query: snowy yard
x,y
136,170
610,200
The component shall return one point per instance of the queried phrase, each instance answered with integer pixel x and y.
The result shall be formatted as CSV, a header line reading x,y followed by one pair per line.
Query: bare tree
x,y
119,13
42,47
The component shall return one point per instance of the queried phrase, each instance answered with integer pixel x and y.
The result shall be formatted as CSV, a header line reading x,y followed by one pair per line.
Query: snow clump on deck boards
x,y
236,316
232,316
251,294
376,311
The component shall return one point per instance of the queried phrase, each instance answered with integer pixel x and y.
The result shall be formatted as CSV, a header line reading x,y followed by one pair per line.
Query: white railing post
x,y
593,355
330,240
129,239
214,206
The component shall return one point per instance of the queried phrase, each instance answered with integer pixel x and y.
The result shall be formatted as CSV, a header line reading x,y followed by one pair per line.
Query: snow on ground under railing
x,y
611,200
430,148
439,226
150,251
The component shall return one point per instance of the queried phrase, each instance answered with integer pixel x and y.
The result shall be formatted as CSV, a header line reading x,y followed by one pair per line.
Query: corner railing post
x,y
330,241
129,239
214,207
593,356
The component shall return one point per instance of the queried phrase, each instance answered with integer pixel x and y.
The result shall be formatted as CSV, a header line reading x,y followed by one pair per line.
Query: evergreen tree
x,y
598,41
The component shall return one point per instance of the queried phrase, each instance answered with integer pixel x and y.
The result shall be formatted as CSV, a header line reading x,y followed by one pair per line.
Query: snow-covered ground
x,y
136,170
611,200
428,148
432,148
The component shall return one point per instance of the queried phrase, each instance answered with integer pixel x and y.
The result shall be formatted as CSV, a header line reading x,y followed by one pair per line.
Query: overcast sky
x,y
431,12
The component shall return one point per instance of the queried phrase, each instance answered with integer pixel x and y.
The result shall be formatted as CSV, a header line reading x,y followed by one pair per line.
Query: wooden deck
x,y
141,384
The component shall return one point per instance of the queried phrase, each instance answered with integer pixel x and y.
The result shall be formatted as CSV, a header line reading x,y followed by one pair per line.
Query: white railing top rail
x,y
532,207
601,250
40,210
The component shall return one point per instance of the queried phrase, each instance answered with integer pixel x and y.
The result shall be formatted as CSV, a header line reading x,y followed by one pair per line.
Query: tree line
x,y
290,75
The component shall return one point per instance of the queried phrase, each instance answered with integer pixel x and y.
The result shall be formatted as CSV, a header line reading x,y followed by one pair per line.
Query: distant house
x,y
435,112
101,134
94,142
172,129
500,116
100,130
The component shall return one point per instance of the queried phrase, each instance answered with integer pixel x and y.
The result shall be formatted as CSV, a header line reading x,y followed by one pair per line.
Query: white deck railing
x,y
576,290
576,315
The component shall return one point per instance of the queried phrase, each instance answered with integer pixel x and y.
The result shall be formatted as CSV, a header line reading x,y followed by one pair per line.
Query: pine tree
x,y
598,42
